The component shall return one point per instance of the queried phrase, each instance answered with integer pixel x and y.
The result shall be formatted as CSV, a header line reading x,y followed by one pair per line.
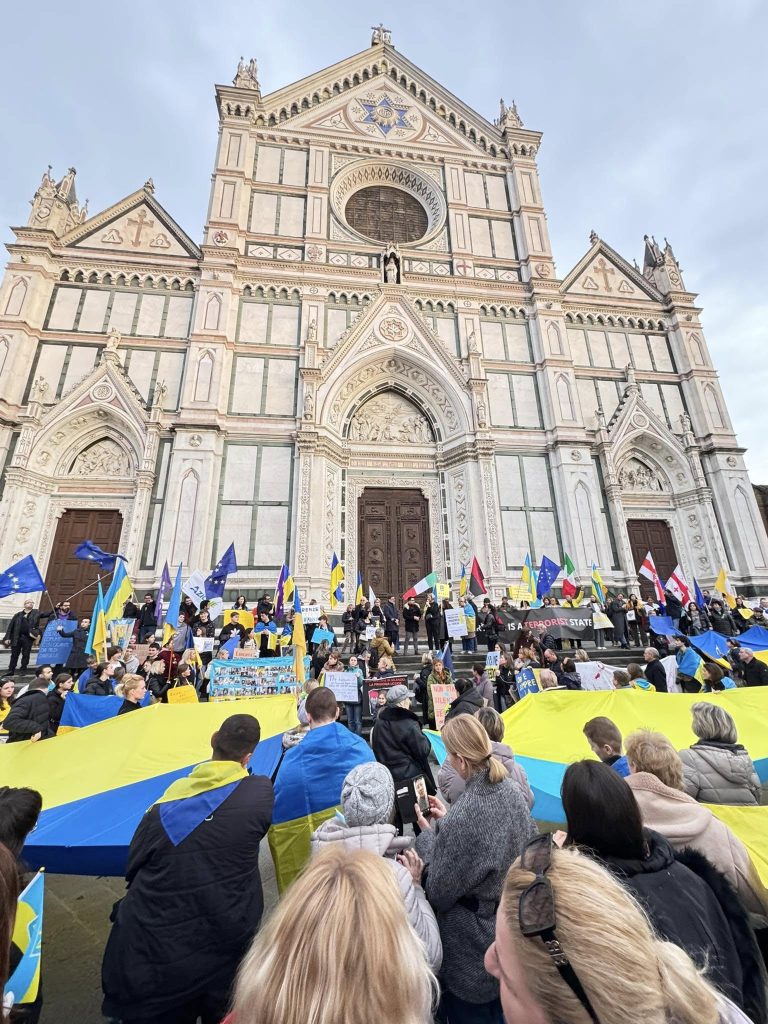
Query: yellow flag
x,y
722,584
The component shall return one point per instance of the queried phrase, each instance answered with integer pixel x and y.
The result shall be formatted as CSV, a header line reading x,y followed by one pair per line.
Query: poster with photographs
x,y
377,690
254,677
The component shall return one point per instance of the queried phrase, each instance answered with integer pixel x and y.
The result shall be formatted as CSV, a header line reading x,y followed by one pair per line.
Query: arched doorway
x,y
393,539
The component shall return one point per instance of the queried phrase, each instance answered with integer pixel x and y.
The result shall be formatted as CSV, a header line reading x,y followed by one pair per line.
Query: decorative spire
x,y
65,189
593,237
380,35
149,186
508,116
247,75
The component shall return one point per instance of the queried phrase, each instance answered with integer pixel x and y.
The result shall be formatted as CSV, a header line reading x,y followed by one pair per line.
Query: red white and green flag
x,y
418,588
569,578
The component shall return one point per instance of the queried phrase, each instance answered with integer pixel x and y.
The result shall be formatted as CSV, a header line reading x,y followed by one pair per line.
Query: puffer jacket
x,y
29,715
720,773
452,785
467,703
384,841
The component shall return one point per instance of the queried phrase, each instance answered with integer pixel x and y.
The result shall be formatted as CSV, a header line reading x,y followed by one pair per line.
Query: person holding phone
x,y
398,742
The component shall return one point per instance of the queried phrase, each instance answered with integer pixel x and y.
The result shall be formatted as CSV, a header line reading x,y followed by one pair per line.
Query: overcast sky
x,y
653,113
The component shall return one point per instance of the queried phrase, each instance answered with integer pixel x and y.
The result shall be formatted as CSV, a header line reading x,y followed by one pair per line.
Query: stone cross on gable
x,y
604,269
141,222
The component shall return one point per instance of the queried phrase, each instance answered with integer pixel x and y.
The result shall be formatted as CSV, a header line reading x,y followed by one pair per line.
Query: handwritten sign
x,y
245,652
311,613
323,634
182,695
55,646
455,622
370,632
492,664
442,695
344,685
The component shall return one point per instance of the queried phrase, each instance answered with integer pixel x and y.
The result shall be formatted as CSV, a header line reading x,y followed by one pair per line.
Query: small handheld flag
x,y
463,581
97,634
91,552
24,982
476,580
299,639
216,581
162,590
648,570
336,587
528,578
569,580
23,577
548,573
597,584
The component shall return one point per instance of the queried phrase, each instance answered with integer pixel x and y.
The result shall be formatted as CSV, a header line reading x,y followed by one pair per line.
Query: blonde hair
x,y
344,915
580,655
652,752
128,684
613,950
384,662
547,679
491,721
712,722
465,737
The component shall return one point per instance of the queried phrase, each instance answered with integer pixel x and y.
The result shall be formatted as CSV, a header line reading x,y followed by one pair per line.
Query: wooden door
x,y
655,536
66,574
393,540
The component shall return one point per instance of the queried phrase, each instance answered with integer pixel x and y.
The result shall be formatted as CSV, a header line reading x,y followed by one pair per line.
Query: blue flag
x,y
447,659
91,552
214,584
24,982
698,597
23,577
548,573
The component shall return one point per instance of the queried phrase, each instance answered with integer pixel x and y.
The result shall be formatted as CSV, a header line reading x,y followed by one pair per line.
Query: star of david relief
x,y
383,115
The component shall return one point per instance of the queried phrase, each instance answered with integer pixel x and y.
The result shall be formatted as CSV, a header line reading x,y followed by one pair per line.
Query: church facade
x,y
370,352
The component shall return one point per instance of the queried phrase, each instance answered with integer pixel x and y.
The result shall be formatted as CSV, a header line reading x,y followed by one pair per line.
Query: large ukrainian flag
x,y
97,782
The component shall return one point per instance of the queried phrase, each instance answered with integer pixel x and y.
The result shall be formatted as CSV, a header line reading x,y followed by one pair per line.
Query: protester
x,y
717,769
467,850
380,646
720,618
755,671
469,642
610,966
621,680
549,681
412,620
7,693
132,689
348,625
319,657
569,677
398,742
299,966
232,628
656,779
696,620
715,679
368,808
432,617
384,667
487,624
452,784
504,689
604,740
62,686
468,699
391,622
422,690
482,684
22,631
100,683
616,611
147,619
10,887
654,670
194,894
29,717
637,621
604,821
355,710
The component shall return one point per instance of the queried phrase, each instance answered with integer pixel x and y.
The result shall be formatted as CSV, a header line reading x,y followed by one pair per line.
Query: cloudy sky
x,y
653,113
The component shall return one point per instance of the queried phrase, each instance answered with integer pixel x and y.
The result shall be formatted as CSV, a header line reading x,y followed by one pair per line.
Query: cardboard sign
x,y
54,646
442,695
443,591
203,644
142,652
311,613
182,695
455,622
344,685
324,634
370,632
244,617
492,664
245,652
377,686
601,621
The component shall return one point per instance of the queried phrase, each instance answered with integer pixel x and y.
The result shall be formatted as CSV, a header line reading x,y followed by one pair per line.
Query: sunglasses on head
x,y
537,918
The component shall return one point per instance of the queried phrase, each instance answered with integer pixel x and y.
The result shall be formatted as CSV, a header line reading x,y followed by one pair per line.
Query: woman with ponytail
x,y
466,852
132,688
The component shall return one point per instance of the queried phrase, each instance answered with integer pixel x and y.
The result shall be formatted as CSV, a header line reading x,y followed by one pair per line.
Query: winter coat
x,y
412,618
722,622
467,703
487,626
683,910
381,645
686,823
656,675
348,621
720,773
77,659
99,688
147,615
433,614
191,909
398,742
484,687
570,680
755,673
467,855
391,617
21,626
452,785
29,714
55,710
384,841
433,680
617,613
673,605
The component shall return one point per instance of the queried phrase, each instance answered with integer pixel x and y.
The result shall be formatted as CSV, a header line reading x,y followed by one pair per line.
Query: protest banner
x,y
324,634
594,675
561,623
203,644
492,664
344,685
121,631
370,632
252,677
55,646
244,617
442,695
311,613
455,622
182,695
377,686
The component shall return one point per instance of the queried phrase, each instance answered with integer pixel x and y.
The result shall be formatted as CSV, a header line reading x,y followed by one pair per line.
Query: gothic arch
x,y
565,398
584,526
554,339
714,408
203,377
104,457
747,529
212,313
414,401
16,297
185,517
4,349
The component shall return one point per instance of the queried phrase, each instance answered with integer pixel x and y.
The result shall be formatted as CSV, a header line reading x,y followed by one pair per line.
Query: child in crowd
x,y
604,738
355,711
621,679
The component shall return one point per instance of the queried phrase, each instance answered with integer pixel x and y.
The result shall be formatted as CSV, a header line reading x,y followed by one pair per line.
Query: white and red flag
x,y
678,585
648,570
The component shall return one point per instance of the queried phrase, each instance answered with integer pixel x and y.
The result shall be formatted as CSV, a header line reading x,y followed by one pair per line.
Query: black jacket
x,y
191,910
673,605
348,621
21,626
412,618
467,703
722,622
570,680
128,705
655,674
30,714
755,673
147,615
78,659
391,617
55,710
96,688
228,631
684,910
432,613
399,743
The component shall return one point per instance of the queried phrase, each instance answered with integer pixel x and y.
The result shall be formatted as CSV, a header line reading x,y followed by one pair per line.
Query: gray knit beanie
x,y
397,693
368,795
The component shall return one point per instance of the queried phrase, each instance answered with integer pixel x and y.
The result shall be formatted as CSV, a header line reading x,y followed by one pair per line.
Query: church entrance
x,y
393,539
652,535
66,574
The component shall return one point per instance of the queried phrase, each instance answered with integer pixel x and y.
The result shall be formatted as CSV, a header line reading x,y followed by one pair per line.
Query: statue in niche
x,y
391,271
472,343
482,419
40,389
161,390
114,337
685,423
309,406
392,265
312,332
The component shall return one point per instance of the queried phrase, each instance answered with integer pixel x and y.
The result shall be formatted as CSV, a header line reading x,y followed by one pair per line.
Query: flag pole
x,y
88,587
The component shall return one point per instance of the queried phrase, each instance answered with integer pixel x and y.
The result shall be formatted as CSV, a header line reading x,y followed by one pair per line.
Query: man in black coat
x,y
29,718
391,622
674,608
655,672
194,895
147,619
468,701
755,671
398,742
22,630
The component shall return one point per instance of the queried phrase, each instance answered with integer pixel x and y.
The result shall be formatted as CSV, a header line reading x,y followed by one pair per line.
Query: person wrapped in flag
x,y
265,633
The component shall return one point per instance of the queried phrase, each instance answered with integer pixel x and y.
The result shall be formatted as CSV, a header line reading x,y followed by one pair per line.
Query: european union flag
x,y
701,604
23,577
91,552
548,573
215,583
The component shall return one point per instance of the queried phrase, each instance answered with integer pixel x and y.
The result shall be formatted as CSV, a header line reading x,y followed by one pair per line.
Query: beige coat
x,y
685,822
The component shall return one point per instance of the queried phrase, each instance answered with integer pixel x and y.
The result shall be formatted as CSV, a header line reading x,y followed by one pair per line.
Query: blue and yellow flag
x,y
24,983
529,579
336,587
299,638
359,592
174,608
119,591
463,581
598,586
97,634
189,801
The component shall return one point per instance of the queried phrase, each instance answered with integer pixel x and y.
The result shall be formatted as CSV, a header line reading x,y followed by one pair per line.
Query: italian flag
x,y
569,578
418,588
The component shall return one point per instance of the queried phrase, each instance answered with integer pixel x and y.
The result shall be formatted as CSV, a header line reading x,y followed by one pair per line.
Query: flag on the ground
x,y
418,588
162,590
447,657
548,573
91,552
216,581
597,584
359,596
24,982
174,606
476,580
299,639
23,577
569,580
677,585
97,634
648,570
336,585
701,604
463,581
371,596
120,589
528,577
723,585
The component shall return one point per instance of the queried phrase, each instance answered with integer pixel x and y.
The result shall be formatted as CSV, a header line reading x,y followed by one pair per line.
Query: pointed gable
x,y
137,224
603,274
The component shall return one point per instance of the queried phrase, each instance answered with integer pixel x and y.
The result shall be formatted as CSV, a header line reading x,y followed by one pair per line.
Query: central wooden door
x,y
393,540
655,536
66,574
